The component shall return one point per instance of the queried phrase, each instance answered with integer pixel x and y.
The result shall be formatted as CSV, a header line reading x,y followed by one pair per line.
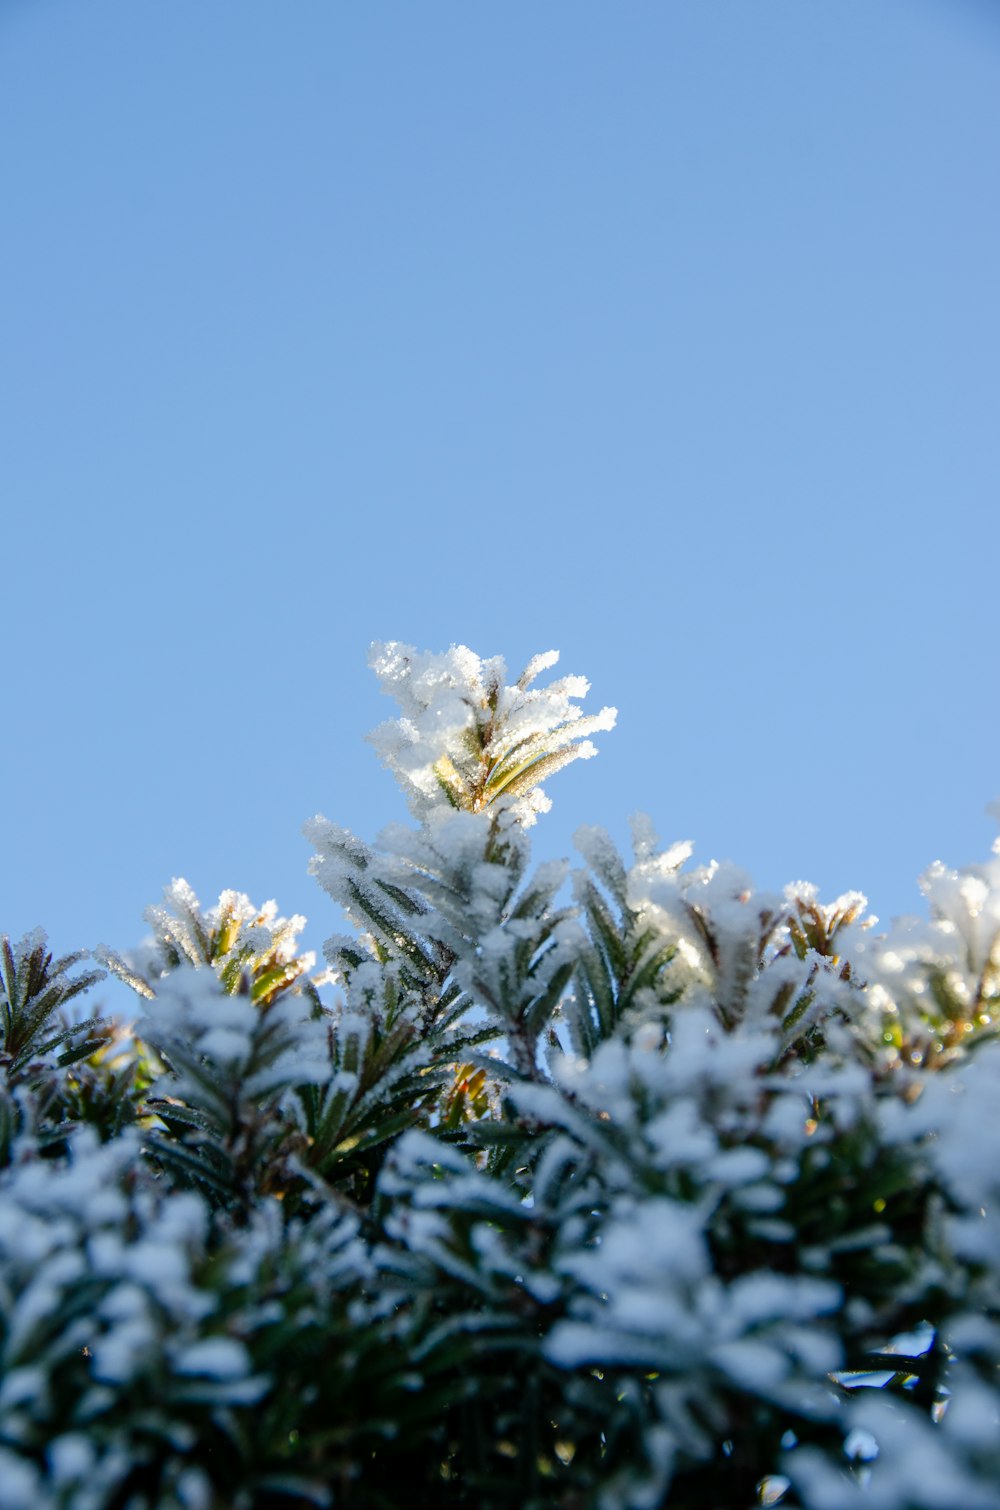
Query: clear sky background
x,y
665,334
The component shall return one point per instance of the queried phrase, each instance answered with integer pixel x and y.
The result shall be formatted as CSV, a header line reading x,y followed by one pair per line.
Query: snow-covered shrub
x,y
624,1186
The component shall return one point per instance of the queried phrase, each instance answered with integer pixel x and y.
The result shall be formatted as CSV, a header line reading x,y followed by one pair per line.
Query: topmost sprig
x,y
467,740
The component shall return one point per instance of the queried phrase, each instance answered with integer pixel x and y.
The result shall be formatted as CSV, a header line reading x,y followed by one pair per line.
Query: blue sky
x,y
664,334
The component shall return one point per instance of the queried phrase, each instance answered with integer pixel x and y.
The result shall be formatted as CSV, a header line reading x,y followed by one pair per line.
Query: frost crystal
x,y
466,739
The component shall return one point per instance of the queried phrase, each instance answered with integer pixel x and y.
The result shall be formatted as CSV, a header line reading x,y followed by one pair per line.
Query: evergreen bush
x,y
622,1187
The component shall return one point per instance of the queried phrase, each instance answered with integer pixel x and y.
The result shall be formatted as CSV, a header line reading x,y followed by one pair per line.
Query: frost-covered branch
x,y
649,1191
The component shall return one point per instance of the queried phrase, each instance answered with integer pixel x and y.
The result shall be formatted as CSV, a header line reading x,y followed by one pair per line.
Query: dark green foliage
x,y
672,1195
